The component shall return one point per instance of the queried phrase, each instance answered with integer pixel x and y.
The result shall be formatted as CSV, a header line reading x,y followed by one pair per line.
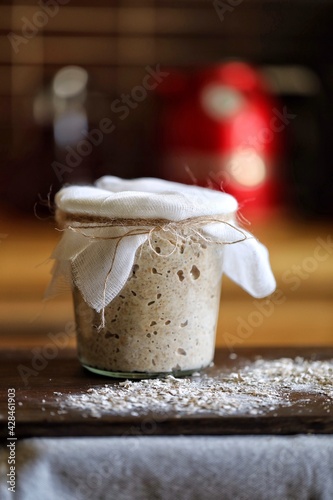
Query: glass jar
x,y
164,319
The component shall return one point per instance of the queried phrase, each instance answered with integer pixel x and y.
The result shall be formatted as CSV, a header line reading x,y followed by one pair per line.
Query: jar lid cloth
x,y
98,257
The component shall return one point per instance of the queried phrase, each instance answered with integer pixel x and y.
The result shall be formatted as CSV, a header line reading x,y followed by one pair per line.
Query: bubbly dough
x,y
164,319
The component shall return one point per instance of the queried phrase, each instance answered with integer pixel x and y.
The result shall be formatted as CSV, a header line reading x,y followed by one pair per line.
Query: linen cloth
x,y
100,264
168,468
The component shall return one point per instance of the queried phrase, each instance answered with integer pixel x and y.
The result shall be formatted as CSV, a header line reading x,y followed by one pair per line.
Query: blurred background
x,y
235,95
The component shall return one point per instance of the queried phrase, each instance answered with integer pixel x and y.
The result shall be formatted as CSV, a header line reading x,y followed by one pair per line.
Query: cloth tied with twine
x,y
104,225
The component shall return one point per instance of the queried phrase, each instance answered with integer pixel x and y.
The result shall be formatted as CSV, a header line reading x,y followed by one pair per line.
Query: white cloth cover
x,y
169,468
245,262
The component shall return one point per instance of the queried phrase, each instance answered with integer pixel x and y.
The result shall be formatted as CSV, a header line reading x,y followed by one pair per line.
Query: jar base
x,y
140,375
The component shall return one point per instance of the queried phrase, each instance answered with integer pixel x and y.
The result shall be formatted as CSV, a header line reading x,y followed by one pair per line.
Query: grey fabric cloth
x,y
169,468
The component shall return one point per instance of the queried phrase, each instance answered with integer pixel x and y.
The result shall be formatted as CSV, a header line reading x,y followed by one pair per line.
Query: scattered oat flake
x,y
258,387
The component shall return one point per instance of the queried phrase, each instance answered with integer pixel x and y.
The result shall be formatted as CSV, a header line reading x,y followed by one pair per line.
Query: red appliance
x,y
219,127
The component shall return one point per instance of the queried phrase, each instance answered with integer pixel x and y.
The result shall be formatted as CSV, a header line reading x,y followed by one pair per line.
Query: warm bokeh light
x,y
221,102
247,168
70,82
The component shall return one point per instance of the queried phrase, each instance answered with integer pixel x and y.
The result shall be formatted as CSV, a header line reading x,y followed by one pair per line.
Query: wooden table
x,y
307,414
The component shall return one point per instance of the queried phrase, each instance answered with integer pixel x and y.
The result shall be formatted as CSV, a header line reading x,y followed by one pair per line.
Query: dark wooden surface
x,y
308,414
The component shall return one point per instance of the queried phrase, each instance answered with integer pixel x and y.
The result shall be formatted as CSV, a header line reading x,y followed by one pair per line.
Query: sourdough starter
x,y
164,319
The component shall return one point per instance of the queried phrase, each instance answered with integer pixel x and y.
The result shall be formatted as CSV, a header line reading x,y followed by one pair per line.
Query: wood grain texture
x,y
307,414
